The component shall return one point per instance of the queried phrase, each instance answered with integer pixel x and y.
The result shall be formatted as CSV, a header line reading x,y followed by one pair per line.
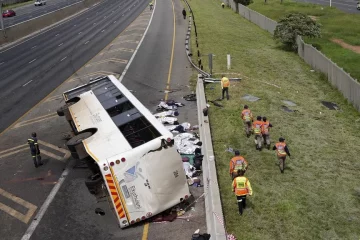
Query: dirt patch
x,y
353,48
315,18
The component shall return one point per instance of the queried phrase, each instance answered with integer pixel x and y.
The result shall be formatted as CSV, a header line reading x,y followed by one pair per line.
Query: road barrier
x,y
23,29
342,80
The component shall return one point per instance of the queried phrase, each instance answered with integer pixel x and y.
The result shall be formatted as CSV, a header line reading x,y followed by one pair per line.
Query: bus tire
x,y
76,147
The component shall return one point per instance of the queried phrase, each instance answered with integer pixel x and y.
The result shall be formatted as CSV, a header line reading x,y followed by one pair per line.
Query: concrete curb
x,y
213,206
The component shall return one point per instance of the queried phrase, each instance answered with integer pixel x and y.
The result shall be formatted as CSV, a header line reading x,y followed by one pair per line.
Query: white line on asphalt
x,y
137,48
60,44
33,47
79,33
103,30
46,205
75,25
86,42
33,60
63,59
56,35
94,23
114,21
27,83
2,63
87,18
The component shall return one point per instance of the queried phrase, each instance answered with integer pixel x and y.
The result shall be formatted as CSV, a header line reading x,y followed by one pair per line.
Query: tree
x,y
243,2
296,24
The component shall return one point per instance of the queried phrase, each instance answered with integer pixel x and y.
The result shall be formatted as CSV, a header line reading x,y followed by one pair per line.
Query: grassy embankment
x,y
336,24
13,6
318,196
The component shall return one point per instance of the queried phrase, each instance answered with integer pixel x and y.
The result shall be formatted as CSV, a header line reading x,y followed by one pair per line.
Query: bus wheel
x,y
76,146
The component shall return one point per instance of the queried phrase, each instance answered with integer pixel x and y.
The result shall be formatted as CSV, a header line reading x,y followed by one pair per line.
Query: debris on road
x,y
168,120
187,143
169,113
190,97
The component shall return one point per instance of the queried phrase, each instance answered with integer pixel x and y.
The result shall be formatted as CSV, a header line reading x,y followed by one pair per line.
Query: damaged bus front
x,y
131,154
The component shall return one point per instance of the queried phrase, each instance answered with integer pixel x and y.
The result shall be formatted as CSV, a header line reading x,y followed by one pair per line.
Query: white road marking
x,y
27,83
114,21
63,59
103,30
75,25
46,205
94,23
33,47
56,35
86,42
33,60
137,48
60,44
79,33
2,63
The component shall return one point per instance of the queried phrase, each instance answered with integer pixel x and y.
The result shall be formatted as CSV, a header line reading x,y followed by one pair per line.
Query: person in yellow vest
x,y
222,5
225,84
247,117
257,125
241,187
237,163
281,151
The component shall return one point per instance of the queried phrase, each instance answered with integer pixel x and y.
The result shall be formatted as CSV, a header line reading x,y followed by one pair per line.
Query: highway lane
x,y
348,6
27,12
32,69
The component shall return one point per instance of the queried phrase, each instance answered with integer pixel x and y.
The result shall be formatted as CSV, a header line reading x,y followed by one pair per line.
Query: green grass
x,y
12,6
318,196
335,24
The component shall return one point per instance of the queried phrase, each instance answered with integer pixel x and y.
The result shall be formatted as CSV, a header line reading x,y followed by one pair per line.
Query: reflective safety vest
x,y
34,147
242,186
246,115
237,163
257,125
225,82
265,127
280,149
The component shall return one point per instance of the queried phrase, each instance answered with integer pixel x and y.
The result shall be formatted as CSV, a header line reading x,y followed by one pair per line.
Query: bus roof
x,y
122,122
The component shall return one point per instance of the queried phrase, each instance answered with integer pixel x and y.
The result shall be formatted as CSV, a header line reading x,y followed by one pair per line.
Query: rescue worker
x,y
281,151
265,131
257,126
237,163
225,84
223,5
247,117
184,14
151,5
242,187
35,150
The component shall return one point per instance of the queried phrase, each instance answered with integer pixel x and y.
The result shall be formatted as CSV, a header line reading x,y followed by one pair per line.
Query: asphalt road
x,y
27,12
34,68
348,6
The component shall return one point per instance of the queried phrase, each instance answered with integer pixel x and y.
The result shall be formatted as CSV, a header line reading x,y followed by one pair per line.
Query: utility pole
x,y
2,20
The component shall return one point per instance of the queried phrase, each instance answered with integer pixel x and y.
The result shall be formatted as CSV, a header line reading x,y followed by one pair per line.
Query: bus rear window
x,y
138,132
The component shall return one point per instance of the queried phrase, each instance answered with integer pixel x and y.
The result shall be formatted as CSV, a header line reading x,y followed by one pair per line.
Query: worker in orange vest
x,y
225,84
237,163
247,117
242,187
257,126
281,151
265,131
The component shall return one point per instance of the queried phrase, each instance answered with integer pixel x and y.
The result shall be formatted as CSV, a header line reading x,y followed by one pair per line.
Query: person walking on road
x,y
151,5
237,163
257,126
281,151
184,13
225,84
35,150
242,187
247,117
265,131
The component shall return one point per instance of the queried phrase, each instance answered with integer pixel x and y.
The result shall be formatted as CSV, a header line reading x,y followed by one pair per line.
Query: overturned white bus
x,y
130,153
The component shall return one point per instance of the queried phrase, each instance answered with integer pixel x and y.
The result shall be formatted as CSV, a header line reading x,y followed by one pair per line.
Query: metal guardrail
x,y
187,42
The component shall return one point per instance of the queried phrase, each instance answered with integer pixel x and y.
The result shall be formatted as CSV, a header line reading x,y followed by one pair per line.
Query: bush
x,y
296,24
